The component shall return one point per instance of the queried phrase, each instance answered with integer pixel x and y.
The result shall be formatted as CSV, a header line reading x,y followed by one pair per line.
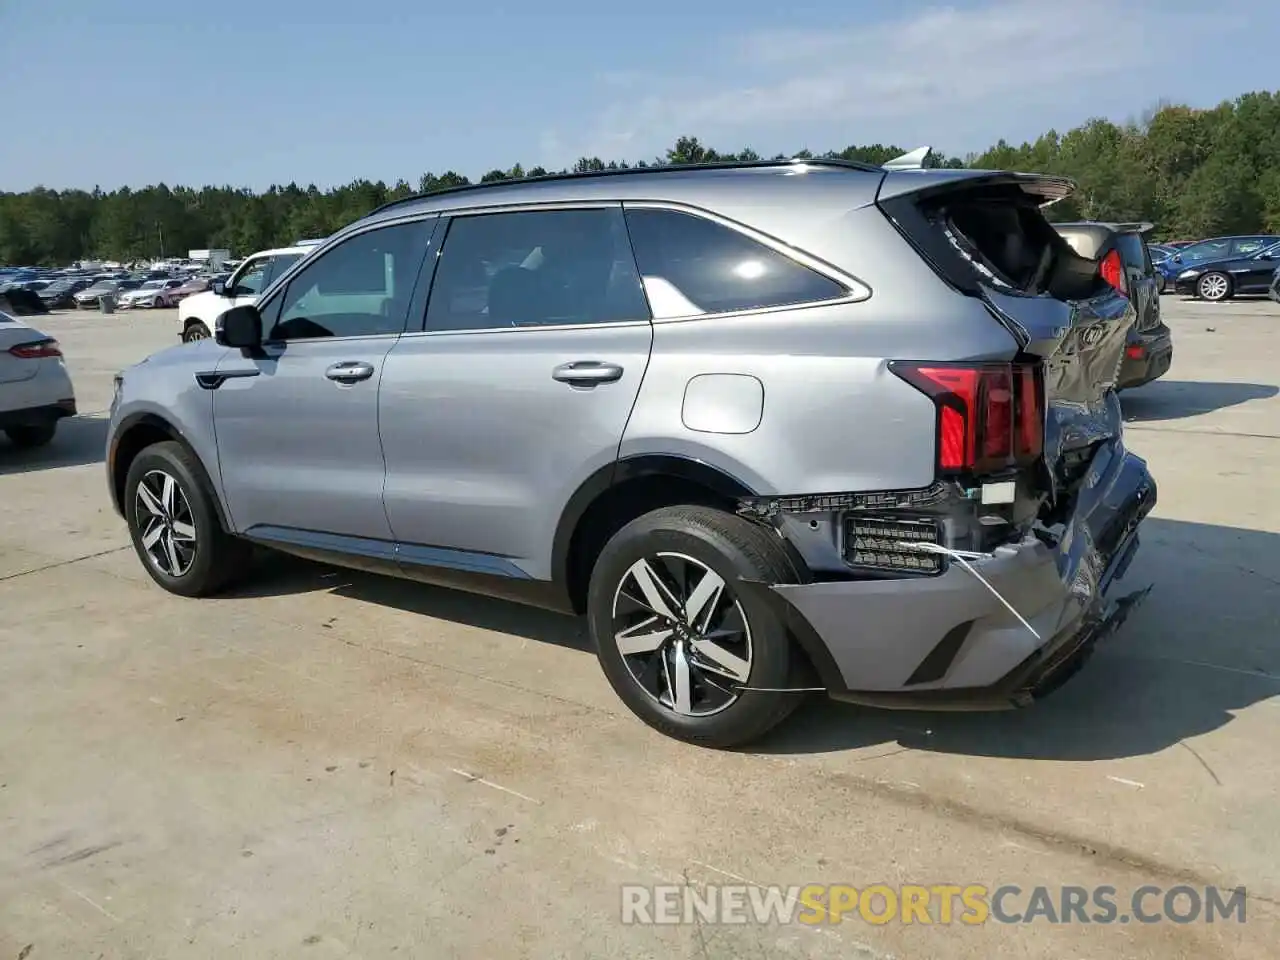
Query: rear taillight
x,y
990,415
36,350
1112,270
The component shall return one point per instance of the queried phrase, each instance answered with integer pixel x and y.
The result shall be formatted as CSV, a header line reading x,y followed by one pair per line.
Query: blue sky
x,y
324,91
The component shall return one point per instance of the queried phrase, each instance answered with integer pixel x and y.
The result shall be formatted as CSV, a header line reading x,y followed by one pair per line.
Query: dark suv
x,y
1125,262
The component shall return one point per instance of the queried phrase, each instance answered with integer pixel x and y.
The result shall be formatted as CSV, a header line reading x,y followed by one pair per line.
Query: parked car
x,y
189,287
1122,253
35,388
89,296
151,294
1216,280
1219,248
197,314
60,294
731,413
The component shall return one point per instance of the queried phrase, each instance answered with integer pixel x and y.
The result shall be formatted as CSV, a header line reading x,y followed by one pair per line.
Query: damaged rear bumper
x,y
947,642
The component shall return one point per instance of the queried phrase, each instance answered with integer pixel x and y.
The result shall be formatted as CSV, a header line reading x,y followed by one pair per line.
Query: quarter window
x,y
535,268
691,265
360,288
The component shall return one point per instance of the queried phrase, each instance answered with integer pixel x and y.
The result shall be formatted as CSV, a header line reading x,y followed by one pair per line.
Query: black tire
x,y
31,435
1218,285
733,548
195,330
218,558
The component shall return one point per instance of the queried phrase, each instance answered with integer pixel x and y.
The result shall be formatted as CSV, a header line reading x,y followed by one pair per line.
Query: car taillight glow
x,y
1112,270
990,415
36,350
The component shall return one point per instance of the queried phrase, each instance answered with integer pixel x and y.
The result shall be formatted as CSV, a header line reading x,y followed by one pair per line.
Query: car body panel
x,y
325,472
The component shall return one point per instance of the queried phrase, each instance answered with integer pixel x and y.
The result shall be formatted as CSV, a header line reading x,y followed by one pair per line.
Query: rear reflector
x,y
1112,271
990,415
36,350
1134,351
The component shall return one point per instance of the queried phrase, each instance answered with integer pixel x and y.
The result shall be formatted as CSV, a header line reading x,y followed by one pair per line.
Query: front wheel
x,y
1214,287
195,330
173,522
683,645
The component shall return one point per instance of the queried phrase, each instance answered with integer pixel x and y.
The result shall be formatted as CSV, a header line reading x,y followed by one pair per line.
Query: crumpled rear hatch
x,y
986,235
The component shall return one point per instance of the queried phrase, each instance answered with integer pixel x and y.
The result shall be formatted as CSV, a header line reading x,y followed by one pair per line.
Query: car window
x,y
1243,246
1207,250
252,279
536,268
359,288
691,265
279,264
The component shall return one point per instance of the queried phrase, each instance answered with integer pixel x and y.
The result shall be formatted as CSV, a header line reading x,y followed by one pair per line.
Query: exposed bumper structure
x,y
947,642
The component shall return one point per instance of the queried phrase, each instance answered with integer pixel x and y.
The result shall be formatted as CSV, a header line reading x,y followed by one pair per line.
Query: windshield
x,y
152,285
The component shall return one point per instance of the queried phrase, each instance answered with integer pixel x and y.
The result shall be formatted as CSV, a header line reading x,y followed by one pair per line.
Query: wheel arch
x,y
139,431
618,493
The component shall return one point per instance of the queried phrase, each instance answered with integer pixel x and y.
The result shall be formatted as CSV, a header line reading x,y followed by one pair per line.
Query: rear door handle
x,y
350,371
587,373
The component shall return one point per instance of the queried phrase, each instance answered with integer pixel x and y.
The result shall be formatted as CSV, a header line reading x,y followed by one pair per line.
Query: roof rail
x,y
912,160
633,171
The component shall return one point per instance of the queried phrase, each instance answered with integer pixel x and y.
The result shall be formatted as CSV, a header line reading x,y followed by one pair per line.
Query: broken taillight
x,y
990,415
1112,270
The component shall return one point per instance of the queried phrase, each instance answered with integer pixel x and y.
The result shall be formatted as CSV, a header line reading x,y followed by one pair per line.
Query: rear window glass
x,y
1132,250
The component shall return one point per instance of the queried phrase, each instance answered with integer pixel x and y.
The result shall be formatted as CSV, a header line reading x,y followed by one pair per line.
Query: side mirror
x,y
239,327
219,288
1177,258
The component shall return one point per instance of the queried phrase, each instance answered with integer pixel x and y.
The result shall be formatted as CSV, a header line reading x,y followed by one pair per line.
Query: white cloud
x,y
925,72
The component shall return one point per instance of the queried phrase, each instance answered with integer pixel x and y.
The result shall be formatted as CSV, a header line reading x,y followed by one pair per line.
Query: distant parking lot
x,y
328,764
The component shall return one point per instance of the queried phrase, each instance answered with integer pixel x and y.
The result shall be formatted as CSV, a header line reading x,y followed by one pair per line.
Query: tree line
x,y
1192,172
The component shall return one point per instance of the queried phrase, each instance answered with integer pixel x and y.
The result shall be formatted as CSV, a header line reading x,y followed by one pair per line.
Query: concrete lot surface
x,y
326,764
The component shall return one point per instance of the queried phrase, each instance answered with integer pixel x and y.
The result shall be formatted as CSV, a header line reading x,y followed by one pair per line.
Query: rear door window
x,y
692,266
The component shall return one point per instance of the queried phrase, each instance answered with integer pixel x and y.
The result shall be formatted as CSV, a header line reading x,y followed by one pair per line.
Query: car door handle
x,y
584,373
351,371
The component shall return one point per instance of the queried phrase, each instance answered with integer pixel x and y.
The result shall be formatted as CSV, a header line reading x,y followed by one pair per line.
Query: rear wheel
x,y
174,524
29,436
688,651
1214,287
195,330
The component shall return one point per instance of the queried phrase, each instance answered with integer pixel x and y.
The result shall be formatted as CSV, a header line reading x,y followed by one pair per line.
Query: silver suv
x,y
771,427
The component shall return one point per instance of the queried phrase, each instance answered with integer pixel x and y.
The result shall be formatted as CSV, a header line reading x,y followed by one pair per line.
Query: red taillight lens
x,y
36,350
1112,270
1030,405
990,416
1134,351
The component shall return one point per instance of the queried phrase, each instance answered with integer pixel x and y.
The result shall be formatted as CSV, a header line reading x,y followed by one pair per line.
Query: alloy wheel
x,y
196,332
166,525
1213,286
682,633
